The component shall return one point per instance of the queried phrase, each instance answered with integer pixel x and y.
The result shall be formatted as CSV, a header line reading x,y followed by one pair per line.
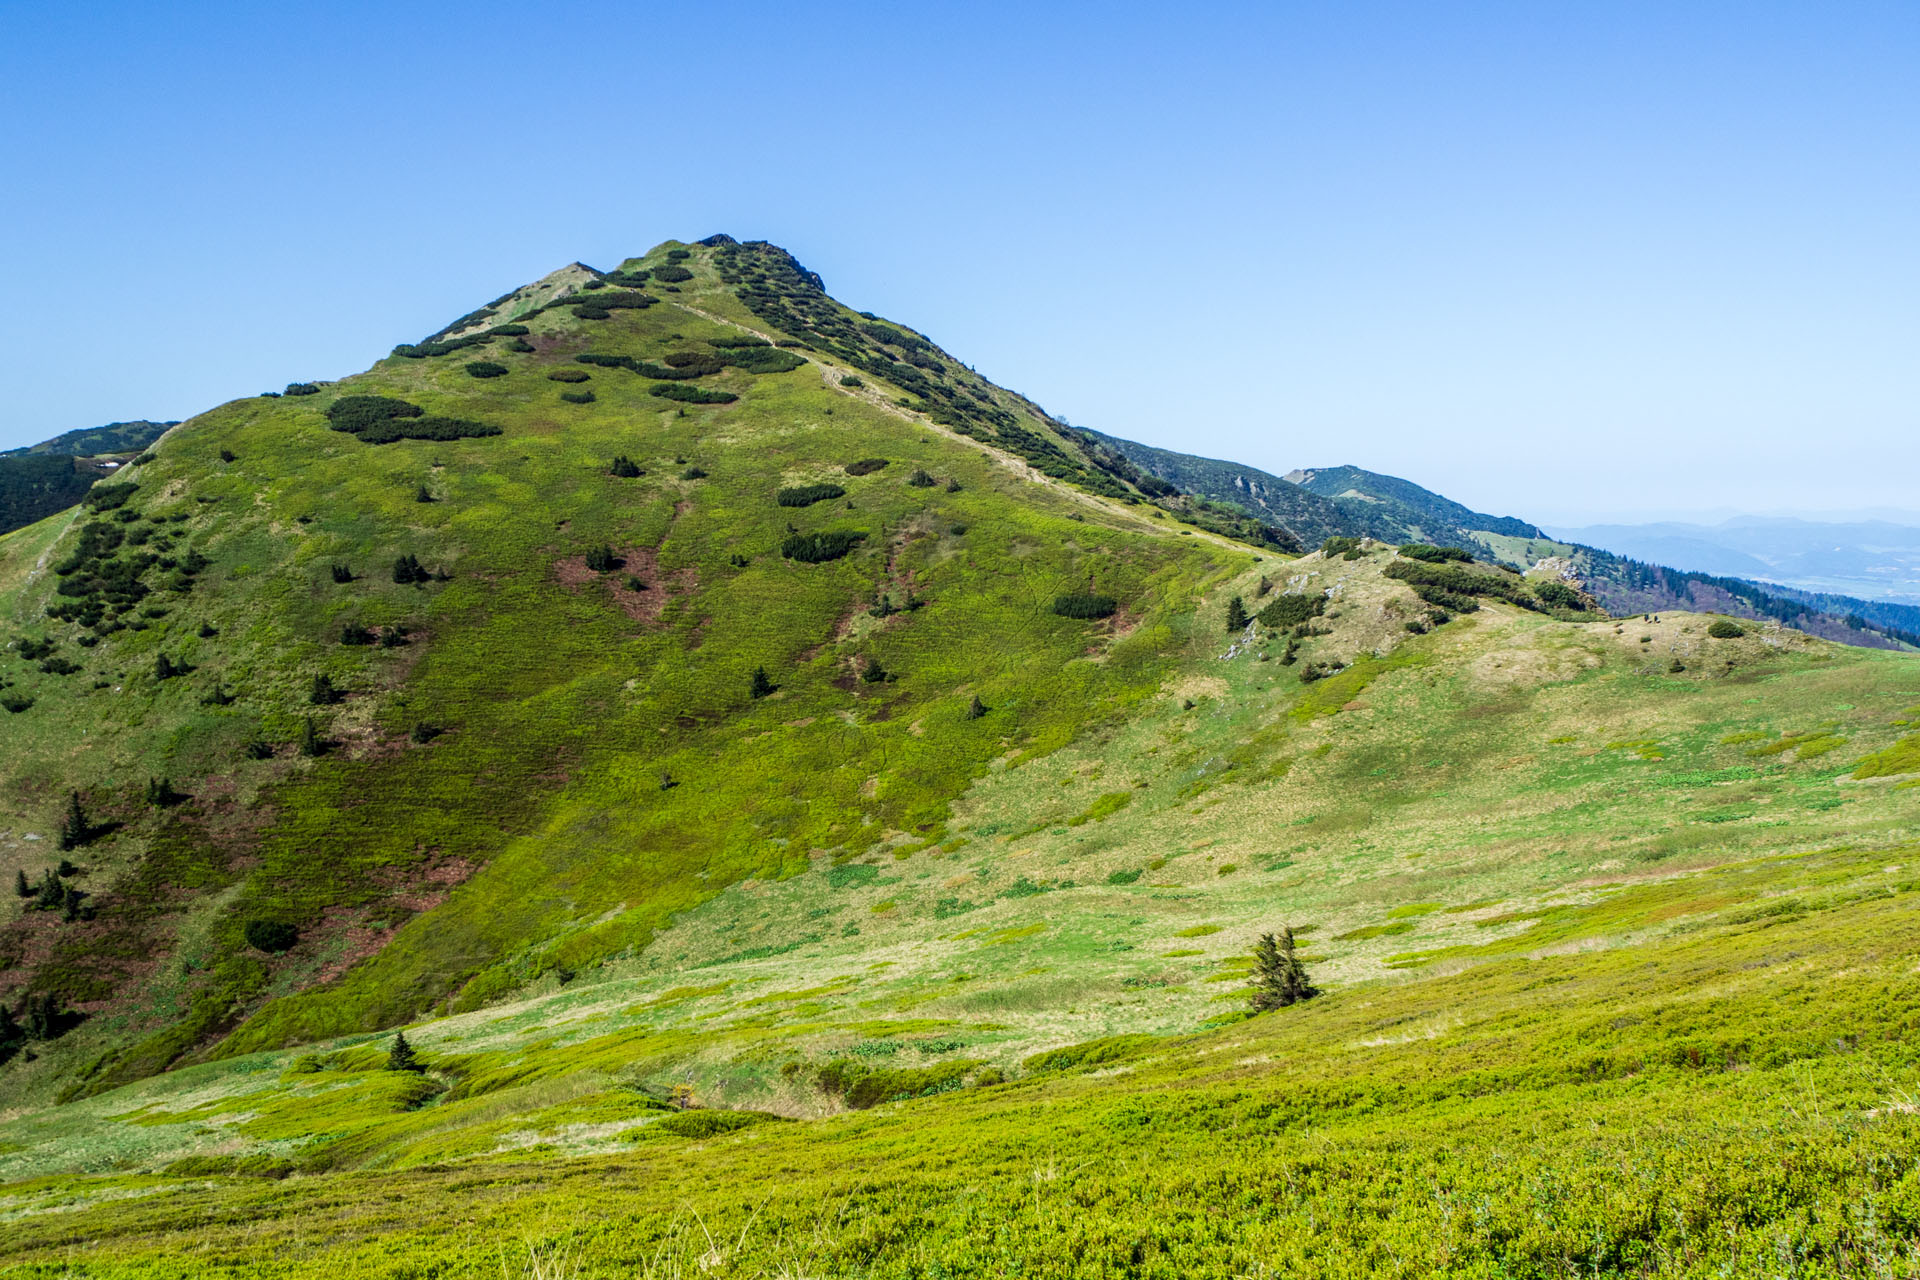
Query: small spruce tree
x,y
601,559
1279,979
20,885
423,494
70,904
976,708
311,744
342,573
75,830
324,694
1236,614
874,673
760,686
402,1056
163,668
625,468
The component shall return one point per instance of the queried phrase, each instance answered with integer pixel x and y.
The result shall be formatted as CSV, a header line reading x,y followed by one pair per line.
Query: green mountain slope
x,y
1434,512
805,797
529,759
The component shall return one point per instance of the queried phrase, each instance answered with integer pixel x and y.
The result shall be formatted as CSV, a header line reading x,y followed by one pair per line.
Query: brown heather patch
x,y
636,562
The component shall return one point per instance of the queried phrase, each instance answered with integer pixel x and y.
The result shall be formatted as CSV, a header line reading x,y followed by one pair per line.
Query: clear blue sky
x,y
1569,261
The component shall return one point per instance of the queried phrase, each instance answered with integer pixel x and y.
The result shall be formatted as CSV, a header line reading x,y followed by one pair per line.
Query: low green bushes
x,y
1085,605
1725,629
383,419
1435,555
1091,1053
807,494
864,467
568,375
672,273
691,395
1291,611
818,548
486,369
578,397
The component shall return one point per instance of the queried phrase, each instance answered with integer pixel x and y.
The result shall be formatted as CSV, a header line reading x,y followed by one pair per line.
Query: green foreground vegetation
x,y
826,825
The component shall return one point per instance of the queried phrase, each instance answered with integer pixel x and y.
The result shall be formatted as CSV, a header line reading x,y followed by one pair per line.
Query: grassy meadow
x,y
933,958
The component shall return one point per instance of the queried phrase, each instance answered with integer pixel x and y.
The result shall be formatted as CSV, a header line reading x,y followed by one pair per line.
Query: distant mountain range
x,y
1668,569
1874,559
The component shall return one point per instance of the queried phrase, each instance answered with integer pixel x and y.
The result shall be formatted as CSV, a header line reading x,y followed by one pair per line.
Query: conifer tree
x,y
976,708
874,673
75,830
423,494
761,686
1279,979
43,1016
1236,615
163,668
625,468
20,885
601,559
70,904
323,693
344,573
402,1056
310,743
51,892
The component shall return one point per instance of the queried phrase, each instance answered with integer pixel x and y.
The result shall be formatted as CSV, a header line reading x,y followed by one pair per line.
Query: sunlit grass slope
x,y
556,760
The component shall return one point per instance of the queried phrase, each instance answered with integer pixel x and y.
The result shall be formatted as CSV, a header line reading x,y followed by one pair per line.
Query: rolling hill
x,y
811,812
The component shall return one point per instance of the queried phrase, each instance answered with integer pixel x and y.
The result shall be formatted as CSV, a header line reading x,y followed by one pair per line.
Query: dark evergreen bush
x,y
818,548
302,389
342,573
486,369
693,473
672,273
355,634
568,375
578,397
921,479
586,312
760,686
1337,546
164,668
1435,555
808,494
58,667
510,331
271,936
865,467
311,743
1291,611
874,673
732,344
694,364
763,360
520,346
1083,604
161,793
1724,629
324,693
15,703
258,749
423,494
679,255
850,380
424,733
691,395
402,1056
625,468
601,559
407,570
354,414
1559,595
106,497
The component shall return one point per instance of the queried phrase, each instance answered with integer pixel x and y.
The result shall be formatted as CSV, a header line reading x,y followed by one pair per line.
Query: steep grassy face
x,y
548,740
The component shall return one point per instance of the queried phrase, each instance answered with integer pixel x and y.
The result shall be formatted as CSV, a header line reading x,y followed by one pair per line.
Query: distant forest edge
x,y
42,479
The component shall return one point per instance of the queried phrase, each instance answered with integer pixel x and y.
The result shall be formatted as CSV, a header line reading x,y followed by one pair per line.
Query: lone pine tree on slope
x,y
1279,979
